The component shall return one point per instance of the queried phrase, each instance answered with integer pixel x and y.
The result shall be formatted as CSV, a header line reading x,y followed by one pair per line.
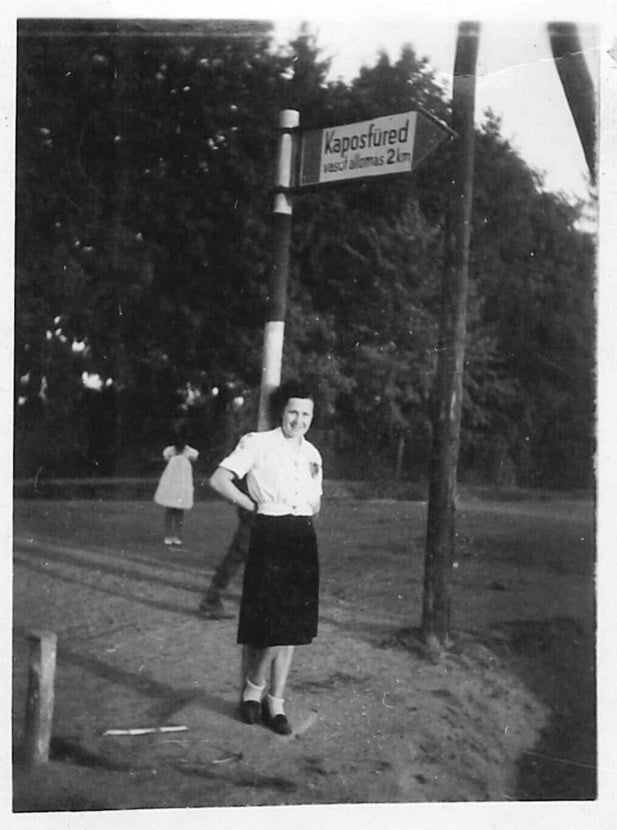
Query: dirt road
x,y
507,714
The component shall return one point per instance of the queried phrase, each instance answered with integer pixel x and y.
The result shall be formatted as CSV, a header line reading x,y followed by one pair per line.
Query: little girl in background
x,y
175,488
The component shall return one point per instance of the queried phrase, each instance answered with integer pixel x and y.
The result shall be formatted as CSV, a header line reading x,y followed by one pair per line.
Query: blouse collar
x,y
289,441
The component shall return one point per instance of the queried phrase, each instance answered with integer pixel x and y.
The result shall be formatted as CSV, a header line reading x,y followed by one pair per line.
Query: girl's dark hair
x,y
293,388
180,436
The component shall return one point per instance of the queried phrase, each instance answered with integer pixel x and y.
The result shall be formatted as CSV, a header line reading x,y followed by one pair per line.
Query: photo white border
x,y
500,816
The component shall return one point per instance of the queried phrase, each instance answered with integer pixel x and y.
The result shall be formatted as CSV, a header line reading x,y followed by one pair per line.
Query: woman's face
x,y
297,417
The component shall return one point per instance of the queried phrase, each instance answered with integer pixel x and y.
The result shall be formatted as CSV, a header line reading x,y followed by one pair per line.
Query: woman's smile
x,y
297,417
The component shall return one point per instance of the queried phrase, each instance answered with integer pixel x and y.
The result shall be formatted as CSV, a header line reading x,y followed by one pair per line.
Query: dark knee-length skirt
x,y
280,592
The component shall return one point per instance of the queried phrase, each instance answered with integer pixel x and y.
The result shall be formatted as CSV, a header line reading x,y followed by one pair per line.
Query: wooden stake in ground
x,y
448,389
40,702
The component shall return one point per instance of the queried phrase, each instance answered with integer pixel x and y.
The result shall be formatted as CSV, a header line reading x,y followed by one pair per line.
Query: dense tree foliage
x,y
143,247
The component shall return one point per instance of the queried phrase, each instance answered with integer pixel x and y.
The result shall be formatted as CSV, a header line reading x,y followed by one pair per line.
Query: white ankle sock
x,y
275,704
252,692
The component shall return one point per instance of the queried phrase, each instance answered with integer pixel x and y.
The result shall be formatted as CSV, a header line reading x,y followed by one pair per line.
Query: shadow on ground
x,y
555,659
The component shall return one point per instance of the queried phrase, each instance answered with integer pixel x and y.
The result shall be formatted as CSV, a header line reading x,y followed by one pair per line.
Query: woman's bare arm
x,y
222,482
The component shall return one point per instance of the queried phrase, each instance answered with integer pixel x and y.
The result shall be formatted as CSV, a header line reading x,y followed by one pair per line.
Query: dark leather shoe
x,y
278,723
249,710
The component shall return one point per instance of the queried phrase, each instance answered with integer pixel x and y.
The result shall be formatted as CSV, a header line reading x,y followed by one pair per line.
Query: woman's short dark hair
x,y
293,388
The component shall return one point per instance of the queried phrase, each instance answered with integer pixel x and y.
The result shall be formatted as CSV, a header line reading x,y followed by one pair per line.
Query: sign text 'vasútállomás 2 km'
x,y
367,148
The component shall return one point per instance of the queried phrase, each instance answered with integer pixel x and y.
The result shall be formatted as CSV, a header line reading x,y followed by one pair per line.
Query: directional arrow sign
x,y
382,146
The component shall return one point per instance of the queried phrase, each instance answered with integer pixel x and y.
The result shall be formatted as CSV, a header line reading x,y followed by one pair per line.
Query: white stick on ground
x,y
146,730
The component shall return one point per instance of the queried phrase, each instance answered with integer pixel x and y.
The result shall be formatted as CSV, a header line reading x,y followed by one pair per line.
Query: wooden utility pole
x,y
448,388
274,330
577,86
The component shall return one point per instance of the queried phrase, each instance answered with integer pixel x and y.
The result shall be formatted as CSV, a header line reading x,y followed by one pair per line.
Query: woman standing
x,y
280,593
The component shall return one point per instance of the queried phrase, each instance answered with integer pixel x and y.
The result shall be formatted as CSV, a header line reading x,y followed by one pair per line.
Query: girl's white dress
x,y
175,488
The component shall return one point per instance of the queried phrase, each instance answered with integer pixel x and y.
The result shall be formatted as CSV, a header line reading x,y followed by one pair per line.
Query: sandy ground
x,y
507,714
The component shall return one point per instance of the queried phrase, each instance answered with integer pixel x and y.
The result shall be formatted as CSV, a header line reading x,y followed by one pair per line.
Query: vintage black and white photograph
x,y
304,413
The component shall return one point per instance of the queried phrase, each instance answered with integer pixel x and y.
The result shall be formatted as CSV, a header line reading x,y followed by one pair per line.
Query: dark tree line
x,y
143,246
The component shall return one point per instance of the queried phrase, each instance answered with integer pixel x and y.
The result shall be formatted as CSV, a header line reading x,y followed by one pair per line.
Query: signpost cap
x,y
288,119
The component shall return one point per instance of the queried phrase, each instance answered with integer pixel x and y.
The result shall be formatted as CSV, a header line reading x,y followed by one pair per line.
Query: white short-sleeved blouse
x,y
283,477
